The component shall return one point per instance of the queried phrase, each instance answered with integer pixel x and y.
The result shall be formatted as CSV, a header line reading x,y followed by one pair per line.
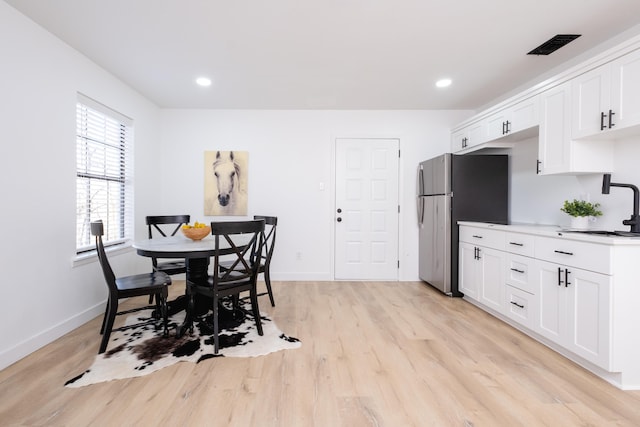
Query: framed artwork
x,y
225,182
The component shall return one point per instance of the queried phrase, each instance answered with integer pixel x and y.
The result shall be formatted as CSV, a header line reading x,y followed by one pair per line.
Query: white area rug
x,y
143,350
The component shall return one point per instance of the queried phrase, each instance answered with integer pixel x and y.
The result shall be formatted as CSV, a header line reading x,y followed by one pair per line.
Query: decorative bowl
x,y
196,233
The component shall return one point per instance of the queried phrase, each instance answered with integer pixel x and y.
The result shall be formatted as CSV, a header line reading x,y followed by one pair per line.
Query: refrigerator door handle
x,y
420,210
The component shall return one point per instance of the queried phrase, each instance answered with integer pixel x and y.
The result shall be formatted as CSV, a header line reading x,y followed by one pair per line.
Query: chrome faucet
x,y
634,221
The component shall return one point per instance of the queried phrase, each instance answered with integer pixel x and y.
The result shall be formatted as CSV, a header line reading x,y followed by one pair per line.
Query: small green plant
x,y
581,208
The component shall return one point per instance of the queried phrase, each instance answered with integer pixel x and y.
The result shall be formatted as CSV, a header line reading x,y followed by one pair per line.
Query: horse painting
x,y
225,183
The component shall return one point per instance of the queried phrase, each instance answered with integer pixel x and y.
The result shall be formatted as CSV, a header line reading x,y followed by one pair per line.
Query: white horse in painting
x,y
227,174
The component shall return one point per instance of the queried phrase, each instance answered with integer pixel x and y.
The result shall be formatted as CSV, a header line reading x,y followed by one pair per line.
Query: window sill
x,y
92,256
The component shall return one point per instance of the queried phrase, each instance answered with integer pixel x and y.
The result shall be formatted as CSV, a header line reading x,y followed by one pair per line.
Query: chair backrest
x,y
176,221
97,229
239,239
269,238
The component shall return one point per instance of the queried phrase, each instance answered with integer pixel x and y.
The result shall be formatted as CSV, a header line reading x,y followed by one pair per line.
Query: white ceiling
x,y
333,54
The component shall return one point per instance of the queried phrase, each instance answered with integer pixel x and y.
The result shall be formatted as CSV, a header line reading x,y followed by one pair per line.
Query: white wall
x,y
538,199
42,295
291,154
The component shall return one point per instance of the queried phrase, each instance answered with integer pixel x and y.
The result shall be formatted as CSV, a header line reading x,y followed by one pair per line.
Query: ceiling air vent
x,y
553,44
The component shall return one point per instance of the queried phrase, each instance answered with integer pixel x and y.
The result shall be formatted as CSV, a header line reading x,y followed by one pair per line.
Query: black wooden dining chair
x,y
263,258
154,284
235,240
167,225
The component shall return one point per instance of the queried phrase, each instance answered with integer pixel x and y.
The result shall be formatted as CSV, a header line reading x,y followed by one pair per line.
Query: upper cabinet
x,y
607,98
558,153
469,136
499,129
554,146
576,115
512,120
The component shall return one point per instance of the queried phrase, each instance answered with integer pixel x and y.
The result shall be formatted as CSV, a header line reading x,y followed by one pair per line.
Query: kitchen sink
x,y
606,233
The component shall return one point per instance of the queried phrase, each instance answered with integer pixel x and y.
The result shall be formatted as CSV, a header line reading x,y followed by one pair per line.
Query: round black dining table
x,y
196,254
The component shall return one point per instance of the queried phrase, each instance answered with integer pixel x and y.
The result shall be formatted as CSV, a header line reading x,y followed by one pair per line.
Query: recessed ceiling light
x,y
203,81
443,83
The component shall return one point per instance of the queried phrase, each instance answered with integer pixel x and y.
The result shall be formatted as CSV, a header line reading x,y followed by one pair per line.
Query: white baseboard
x,y
28,346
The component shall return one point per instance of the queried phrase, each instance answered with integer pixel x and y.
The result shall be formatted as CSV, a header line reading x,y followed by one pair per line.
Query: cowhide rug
x,y
142,350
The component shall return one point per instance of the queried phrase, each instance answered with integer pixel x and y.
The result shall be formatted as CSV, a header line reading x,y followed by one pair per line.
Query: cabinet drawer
x,y
520,306
588,256
482,237
520,273
521,244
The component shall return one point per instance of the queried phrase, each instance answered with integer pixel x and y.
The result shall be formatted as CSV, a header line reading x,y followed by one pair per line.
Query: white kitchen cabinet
x,y
481,275
576,293
520,306
606,99
509,121
481,266
574,310
468,282
469,136
554,146
558,153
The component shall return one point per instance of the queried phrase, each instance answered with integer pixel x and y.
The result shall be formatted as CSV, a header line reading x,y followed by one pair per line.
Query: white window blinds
x,y
104,188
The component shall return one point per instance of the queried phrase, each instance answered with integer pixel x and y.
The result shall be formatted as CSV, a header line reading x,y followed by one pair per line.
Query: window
x,y
104,188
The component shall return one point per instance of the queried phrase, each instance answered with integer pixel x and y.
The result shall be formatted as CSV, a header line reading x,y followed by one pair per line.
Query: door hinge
x,y
398,263
398,208
398,153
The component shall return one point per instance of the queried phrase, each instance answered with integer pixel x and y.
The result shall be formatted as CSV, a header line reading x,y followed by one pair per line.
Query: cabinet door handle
x,y
566,278
559,276
611,113
516,244
508,126
476,236
517,305
538,167
517,271
563,252
602,125
477,253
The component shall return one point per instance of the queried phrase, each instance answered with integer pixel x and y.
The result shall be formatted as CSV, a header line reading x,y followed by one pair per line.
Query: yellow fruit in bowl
x,y
197,231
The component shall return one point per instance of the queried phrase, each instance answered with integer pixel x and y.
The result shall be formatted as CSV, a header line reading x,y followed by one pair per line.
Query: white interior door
x,y
366,216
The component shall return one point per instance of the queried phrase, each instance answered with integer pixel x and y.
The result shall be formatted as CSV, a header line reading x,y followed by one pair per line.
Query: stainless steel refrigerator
x,y
454,188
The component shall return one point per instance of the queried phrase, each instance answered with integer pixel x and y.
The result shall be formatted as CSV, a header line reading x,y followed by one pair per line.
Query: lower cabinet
x,y
546,292
561,291
481,274
574,310
520,306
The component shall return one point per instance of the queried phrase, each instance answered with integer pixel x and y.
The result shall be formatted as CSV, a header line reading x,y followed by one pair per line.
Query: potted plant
x,y
581,211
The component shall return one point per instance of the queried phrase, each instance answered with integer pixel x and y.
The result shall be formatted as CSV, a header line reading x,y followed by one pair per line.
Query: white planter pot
x,y
580,222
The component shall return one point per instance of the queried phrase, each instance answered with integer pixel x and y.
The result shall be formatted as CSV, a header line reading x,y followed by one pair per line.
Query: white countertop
x,y
557,232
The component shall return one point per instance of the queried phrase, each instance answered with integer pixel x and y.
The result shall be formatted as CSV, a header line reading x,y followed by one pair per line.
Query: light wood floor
x,y
373,354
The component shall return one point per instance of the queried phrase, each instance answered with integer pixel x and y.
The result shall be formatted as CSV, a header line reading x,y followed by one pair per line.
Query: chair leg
x,y
104,318
216,312
164,311
110,318
267,281
256,310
